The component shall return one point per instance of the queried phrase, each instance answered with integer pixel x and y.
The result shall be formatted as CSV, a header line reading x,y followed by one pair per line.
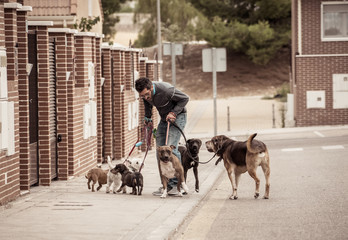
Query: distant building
x,y
319,79
65,13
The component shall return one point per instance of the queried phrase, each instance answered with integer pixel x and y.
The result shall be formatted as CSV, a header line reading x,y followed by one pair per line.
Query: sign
x,y
167,49
220,60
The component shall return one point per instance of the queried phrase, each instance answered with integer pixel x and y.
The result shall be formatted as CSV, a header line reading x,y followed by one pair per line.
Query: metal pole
x,y
228,119
172,53
159,40
214,88
273,115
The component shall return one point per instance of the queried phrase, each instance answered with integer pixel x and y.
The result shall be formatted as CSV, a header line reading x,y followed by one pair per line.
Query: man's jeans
x,y
173,138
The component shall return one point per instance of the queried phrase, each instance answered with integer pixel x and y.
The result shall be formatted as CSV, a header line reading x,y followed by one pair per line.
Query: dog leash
x,y
187,147
147,136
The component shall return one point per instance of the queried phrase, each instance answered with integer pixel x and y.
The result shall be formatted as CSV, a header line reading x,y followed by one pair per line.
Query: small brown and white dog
x,y
240,157
170,167
96,175
114,180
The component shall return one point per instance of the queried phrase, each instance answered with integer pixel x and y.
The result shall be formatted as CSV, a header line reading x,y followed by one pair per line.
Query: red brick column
x,y
9,165
23,92
107,103
44,152
85,150
70,38
99,98
118,102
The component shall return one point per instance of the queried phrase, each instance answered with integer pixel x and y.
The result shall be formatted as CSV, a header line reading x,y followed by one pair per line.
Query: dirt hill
x,y
242,78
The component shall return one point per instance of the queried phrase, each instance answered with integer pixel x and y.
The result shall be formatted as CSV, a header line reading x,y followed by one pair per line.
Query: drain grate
x,y
71,205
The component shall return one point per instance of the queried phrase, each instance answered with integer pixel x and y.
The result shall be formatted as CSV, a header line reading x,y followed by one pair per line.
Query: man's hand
x,y
148,122
171,117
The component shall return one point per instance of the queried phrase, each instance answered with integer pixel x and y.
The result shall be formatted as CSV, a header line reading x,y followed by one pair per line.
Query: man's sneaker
x,y
174,192
159,192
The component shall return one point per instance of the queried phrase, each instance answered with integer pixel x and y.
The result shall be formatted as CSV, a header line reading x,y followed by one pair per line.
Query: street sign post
x,y
214,60
172,49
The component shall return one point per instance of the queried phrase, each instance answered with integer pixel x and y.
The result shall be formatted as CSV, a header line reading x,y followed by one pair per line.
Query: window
x,y
334,21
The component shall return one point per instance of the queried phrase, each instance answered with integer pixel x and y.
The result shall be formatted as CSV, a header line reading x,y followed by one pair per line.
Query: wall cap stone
x,y
40,23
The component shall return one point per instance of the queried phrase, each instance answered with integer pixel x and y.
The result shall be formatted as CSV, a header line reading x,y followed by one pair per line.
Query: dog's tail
x,y
255,146
109,163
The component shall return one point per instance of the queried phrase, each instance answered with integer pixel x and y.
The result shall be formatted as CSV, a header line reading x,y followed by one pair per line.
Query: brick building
x,y
66,102
319,82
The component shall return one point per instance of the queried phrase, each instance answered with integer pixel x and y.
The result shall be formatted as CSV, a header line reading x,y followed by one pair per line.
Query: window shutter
x,y
3,74
86,121
10,129
93,116
91,79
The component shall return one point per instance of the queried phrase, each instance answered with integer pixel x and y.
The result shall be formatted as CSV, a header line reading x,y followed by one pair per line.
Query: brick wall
x,y
313,64
23,92
107,103
316,74
9,165
97,51
85,150
116,101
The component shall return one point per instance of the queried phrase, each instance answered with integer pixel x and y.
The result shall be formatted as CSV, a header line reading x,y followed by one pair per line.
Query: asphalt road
x,y
308,197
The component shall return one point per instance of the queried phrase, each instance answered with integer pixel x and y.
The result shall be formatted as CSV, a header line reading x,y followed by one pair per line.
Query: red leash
x,y
147,136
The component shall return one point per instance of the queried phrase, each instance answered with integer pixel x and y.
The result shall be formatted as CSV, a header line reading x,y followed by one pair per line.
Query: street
x,y
308,197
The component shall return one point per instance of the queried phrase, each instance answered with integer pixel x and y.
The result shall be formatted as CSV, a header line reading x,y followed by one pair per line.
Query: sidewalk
x,y
68,210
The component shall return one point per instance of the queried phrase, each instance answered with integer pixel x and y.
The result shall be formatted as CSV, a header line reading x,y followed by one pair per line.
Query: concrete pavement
x,y
68,210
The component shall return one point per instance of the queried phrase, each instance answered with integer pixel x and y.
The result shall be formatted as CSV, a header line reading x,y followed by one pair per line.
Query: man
x,y
170,104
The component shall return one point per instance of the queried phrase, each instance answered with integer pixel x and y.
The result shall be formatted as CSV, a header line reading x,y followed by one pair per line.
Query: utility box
x,y
315,99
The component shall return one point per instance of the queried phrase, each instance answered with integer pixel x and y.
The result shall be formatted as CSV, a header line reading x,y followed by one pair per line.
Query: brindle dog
x,y
240,157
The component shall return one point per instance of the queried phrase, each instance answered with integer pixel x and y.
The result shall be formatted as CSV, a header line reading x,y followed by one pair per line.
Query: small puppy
x,y
190,158
112,179
96,175
133,180
170,167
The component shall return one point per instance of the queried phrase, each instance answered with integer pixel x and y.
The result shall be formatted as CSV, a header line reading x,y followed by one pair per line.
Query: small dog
x,y
240,157
190,158
96,175
133,164
170,167
112,179
133,180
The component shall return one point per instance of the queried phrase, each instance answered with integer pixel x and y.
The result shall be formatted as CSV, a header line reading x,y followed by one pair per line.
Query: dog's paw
x,y
265,197
197,190
256,195
233,197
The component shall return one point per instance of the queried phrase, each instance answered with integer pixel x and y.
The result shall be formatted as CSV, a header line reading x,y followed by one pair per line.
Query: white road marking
x,y
333,147
292,149
319,134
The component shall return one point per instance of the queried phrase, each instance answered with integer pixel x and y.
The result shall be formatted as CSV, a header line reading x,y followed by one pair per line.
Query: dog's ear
x,y
199,142
172,147
158,148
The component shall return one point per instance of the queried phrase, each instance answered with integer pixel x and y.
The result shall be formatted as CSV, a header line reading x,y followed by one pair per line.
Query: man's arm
x,y
181,100
148,109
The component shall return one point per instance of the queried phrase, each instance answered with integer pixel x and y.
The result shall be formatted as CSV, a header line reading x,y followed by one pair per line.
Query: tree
x,y
109,8
258,28
86,24
178,21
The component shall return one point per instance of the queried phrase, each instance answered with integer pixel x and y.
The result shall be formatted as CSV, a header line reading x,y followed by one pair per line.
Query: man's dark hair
x,y
142,83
